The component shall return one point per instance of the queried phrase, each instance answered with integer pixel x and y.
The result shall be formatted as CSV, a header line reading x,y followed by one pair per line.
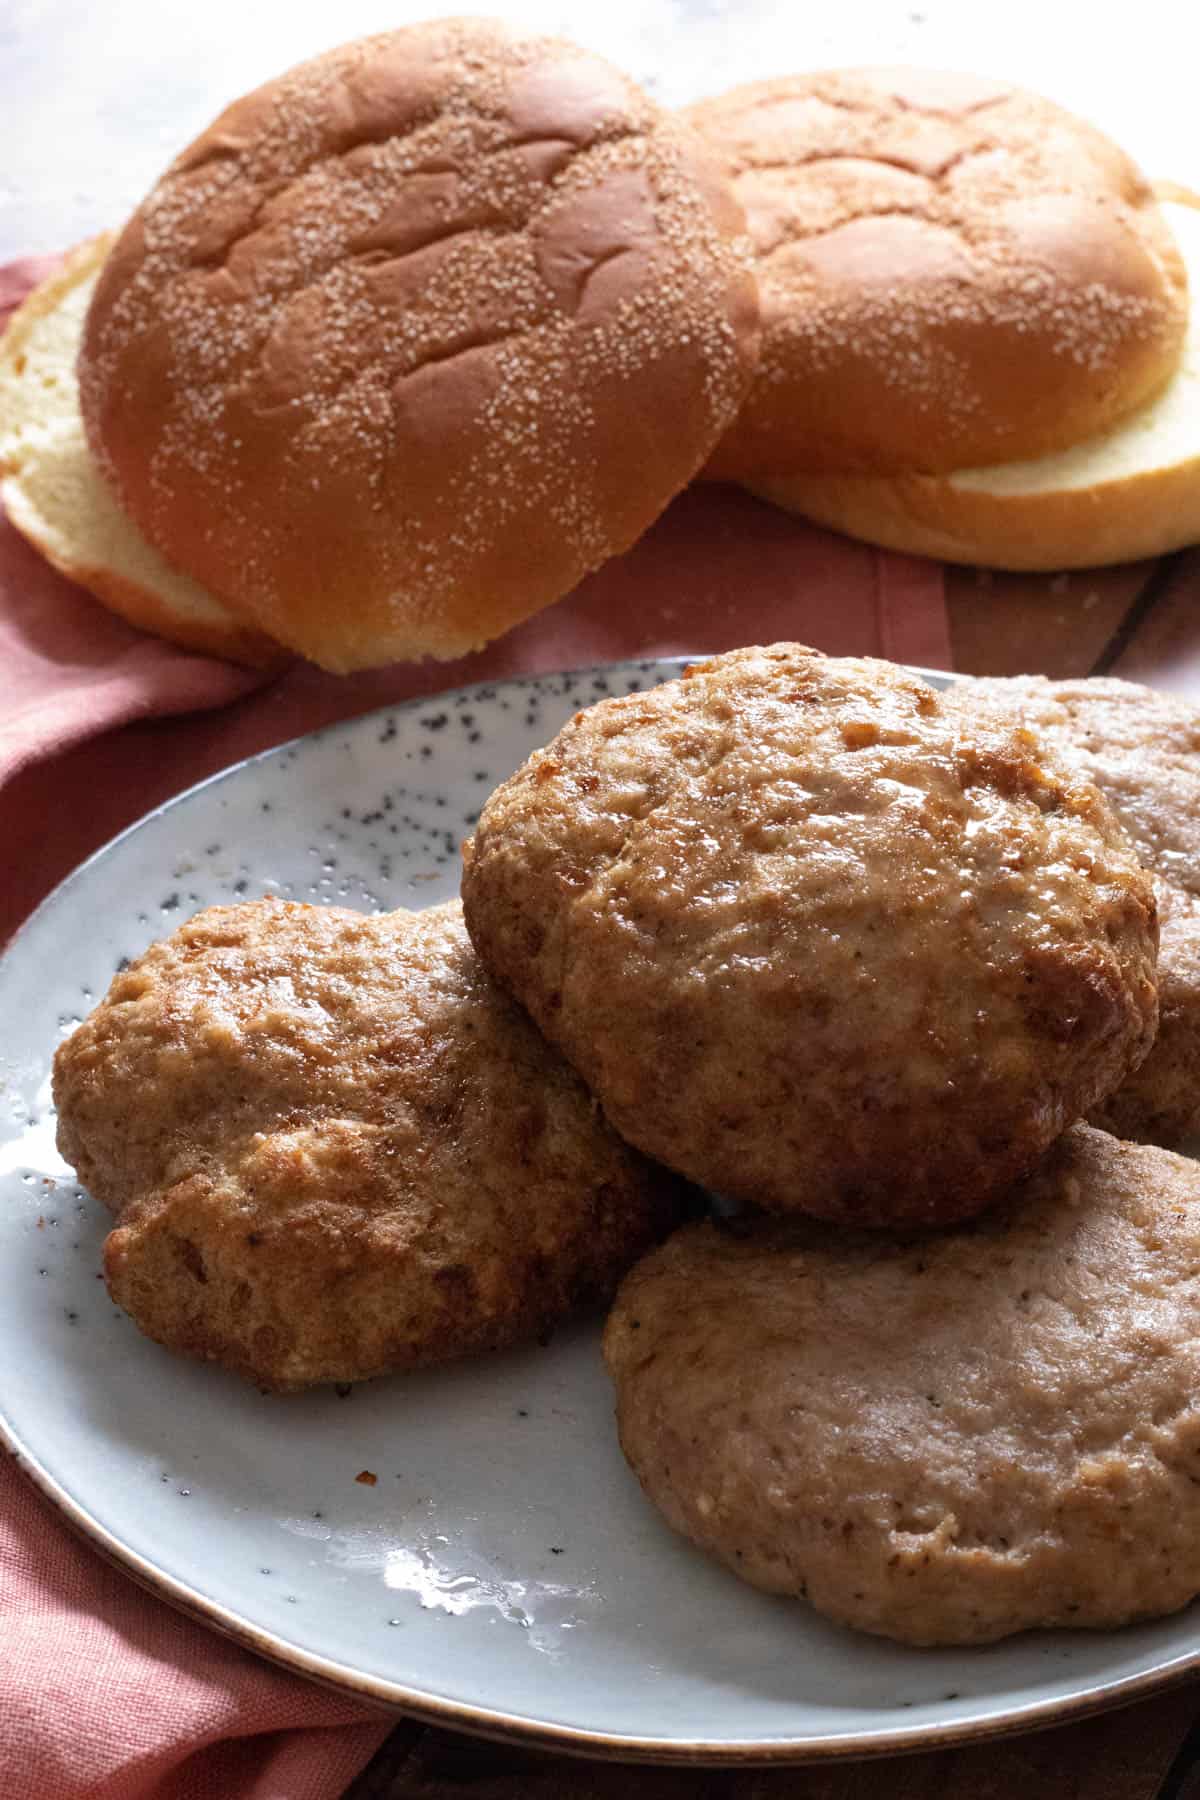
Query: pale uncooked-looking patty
x,y
334,1148
1142,750
942,1440
816,939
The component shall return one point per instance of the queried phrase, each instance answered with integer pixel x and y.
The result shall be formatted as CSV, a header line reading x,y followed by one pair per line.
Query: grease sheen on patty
x,y
816,940
335,1148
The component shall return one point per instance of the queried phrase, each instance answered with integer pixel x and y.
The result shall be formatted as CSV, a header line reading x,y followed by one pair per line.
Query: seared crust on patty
x,y
335,1149
943,1440
1142,750
815,939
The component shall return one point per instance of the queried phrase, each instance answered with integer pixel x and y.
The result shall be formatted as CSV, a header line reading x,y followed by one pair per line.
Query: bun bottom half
x,y
1128,493
55,496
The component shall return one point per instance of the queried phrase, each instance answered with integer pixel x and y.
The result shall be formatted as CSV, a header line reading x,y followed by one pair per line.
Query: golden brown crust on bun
x,y
931,515
56,498
953,272
1124,494
413,337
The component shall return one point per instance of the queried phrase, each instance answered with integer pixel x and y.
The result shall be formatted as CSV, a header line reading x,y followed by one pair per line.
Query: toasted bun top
x,y
414,336
1129,492
953,272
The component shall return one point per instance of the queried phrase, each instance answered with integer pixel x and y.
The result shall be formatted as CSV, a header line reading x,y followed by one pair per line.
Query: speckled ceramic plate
x,y
504,1573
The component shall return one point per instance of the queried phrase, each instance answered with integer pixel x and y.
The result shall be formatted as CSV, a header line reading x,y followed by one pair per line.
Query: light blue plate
x,y
504,1574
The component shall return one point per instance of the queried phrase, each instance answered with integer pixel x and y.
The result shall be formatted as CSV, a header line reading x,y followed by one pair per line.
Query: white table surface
x,y
96,98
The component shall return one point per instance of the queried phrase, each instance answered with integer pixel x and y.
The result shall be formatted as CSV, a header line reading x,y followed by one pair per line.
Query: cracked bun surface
x,y
415,336
953,272
335,1149
817,939
1142,750
943,1440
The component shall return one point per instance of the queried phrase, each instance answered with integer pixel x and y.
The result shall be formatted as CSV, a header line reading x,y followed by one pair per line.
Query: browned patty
x,y
815,939
1139,747
1160,1102
1142,750
942,1440
335,1149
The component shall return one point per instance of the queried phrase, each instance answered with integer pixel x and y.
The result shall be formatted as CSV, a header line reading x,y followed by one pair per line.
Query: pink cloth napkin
x,y
104,1691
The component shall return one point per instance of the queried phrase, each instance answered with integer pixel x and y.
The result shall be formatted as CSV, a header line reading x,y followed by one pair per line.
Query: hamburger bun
x,y
415,336
55,497
954,273
1125,493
